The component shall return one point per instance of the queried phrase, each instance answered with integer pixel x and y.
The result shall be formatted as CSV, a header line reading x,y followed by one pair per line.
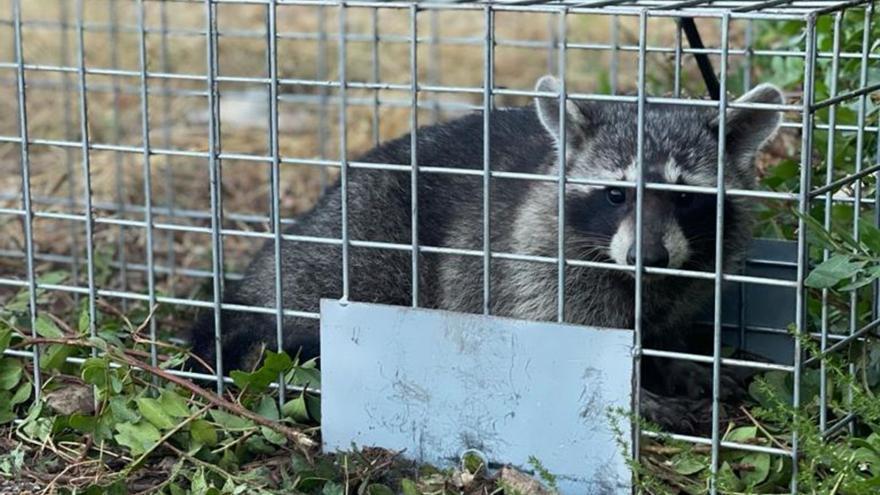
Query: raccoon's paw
x,y
683,415
671,414
694,381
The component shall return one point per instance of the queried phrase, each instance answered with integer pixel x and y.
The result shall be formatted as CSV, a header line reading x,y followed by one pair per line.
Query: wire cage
x,y
149,147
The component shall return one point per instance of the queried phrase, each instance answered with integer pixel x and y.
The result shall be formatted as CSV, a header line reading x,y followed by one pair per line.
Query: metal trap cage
x,y
149,147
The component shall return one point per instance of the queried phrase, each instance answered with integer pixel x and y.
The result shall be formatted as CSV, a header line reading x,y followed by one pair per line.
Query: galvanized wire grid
x,y
155,76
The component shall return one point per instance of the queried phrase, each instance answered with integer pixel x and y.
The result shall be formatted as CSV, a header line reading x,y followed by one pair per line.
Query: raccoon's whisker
x,y
587,247
588,242
589,251
590,239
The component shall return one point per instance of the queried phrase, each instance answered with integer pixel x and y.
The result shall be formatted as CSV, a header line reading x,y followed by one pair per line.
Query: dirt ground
x,y
178,112
17,487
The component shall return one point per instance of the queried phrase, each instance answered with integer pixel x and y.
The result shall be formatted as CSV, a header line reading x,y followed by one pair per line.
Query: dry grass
x,y
178,121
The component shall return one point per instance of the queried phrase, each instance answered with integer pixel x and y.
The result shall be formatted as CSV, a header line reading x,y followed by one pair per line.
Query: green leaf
x,y
52,278
199,484
94,371
268,408
101,344
297,409
771,389
727,480
83,423
10,373
116,488
5,338
273,436
257,445
866,276
242,379
689,464
870,236
7,415
755,468
173,404
378,489
274,366
121,412
408,487
741,434
231,422
313,406
277,362
47,328
152,410
333,488
203,432
116,382
22,394
784,171
822,236
780,474
84,323
306,377
137,437
866,455
832,271
55,356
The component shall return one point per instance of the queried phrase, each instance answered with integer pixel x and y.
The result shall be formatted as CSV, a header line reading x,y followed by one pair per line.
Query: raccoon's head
x,y
680,147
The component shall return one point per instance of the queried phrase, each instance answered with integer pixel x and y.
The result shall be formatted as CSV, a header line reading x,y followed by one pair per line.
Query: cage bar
x,y
378,77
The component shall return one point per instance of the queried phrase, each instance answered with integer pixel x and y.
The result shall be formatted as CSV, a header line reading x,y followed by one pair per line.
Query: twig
x,y
146,322
667,450
233,443
167,481
207,465
763,430
61,323
74,341
87,446
113,309
49,488
298,438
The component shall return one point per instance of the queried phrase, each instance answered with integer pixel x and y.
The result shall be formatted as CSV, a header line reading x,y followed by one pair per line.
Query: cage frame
x,y
86,209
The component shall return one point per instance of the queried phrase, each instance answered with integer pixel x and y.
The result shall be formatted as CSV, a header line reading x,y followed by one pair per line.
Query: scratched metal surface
x,y
435,383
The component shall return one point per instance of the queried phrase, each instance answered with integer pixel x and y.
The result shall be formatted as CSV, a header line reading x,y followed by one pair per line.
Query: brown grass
x,y
178,122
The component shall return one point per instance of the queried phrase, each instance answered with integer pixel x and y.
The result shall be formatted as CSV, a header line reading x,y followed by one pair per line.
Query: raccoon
x,y
679,230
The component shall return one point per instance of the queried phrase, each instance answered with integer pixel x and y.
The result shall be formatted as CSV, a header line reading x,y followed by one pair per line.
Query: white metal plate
x,y
435,383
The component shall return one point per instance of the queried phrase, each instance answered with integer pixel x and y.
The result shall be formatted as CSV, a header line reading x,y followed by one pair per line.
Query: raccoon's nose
x,y
656,256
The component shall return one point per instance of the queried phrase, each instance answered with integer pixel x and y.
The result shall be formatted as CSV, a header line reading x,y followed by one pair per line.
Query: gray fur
x,y
601,144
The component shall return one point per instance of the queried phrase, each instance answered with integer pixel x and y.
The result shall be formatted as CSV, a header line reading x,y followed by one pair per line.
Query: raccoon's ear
x,y
577,120
748,129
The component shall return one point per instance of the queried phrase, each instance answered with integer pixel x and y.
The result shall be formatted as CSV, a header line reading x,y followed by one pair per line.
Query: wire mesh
x,y
203,129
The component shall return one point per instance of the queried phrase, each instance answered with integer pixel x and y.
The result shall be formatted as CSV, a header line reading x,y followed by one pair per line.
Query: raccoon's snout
x,y
656,256
664,245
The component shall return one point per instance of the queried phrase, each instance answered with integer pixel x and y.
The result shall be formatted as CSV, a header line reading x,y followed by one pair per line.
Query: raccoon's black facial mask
x,y
678,228
681,147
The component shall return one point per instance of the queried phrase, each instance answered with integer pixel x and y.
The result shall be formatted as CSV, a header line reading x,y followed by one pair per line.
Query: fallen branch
x,y
763,430
301,440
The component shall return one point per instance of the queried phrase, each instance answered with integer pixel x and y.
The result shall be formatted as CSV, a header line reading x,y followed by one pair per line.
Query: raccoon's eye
x,y
615,195
683,200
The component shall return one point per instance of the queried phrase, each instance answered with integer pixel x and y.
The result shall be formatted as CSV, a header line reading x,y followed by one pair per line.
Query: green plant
x,y
838,160
846,462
